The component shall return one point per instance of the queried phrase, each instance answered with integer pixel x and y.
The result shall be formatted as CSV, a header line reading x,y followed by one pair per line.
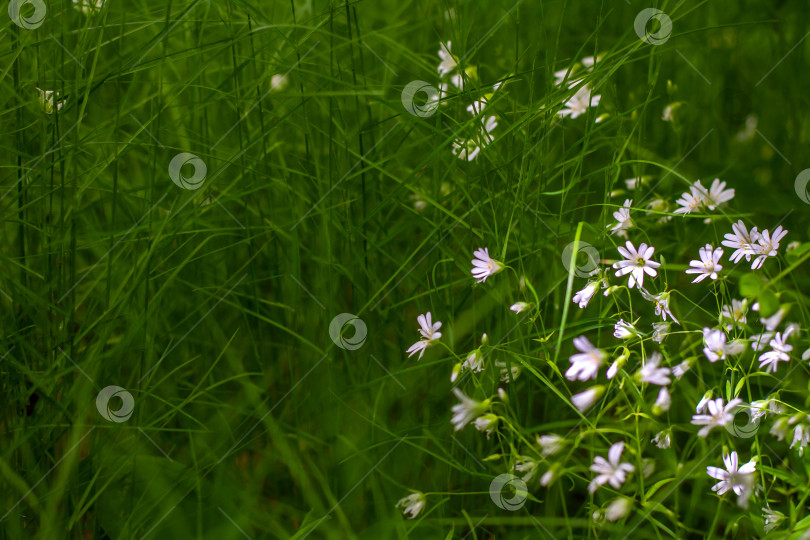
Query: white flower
x,y
520,307
583,297
772,322
704,402
734,315
527,466
618,363
708,265
660,331
412,504
741,240
430,335
688,202
767,246
636,263
762,407
486,423
652,374
624,330
772,518
585,364
715,346
662,440
474,362
484,266
548,476
623,221
578,103
734,478
664,400
508,375
448,61
610,470
780,351
760,341
680,369
468,149
801,437
619,508
278,82
718,415
88,6
587,398
468,410
550,444
717,194
661,302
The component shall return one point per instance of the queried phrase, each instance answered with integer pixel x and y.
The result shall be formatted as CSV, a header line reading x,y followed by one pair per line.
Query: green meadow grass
x,y
212,306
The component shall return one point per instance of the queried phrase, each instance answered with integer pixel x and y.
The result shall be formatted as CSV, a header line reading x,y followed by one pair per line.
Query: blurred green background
x,y
212,306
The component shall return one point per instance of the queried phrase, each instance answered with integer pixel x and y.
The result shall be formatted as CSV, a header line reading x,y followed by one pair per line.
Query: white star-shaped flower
x,y
708,265
610,470
636,263
718,415
430,334
484,266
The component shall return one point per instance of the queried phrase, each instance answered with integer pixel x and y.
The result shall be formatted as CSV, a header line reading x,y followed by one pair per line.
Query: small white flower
x,y
585,399
468,410
680,369
780,428
88,6
715,345
468,149
708,265
636,263
520,307
579,103
508,375
46,100
652,374
772,322
474,362
772,518
664,400
624,330
618,509
412,505
610,470
762,407
484,266
718,415
662,440
486,423
623,221
548,476
734,315
801,437
767,246
760,341
741,240
583,297
448,61
585,364
430,335
717,194
688,202
550,444
734,478
660,331
780,351
527,466
618,363
278,82
704,402
661,303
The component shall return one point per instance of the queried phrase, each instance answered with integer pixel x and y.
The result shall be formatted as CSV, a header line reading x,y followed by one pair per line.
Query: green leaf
x,y
768,303
750,284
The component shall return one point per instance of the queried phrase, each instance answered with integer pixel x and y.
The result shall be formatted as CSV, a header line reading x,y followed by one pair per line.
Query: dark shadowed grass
x,y
212,306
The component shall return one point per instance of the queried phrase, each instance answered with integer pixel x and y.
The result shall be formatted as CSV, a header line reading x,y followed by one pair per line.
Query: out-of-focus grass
x,y
212,307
